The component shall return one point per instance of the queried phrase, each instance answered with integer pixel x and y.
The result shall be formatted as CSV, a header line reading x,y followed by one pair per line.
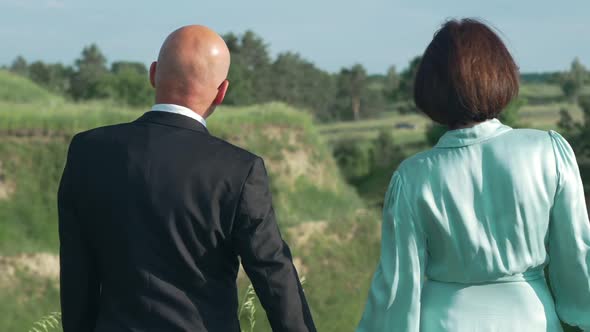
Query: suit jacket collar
x,y
173,120
472,135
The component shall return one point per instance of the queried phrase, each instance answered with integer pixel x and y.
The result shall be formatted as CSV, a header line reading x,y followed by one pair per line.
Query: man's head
x,y
192,69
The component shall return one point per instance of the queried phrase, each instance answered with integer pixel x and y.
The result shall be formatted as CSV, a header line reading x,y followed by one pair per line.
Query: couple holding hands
x,y
156,215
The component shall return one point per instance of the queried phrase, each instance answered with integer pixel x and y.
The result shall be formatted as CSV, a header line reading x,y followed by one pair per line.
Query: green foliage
x,y
254,75
354,158
28,216
54,77
352,84
385,152
298,82
392,82
578,135
129,83
407,78
510,115
250,69
248,308
89,79
573,81
126,82
19,66
357,159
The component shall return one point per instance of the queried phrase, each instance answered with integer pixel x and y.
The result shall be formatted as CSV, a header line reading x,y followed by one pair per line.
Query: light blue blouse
x,y
468,228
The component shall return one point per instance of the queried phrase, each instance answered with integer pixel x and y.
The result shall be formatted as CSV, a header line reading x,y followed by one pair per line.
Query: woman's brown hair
x,y
466,74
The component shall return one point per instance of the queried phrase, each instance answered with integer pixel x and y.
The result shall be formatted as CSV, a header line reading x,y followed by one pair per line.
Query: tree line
x,y
256,77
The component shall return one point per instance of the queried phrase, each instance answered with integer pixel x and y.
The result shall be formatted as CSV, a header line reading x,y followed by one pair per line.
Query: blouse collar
x,y
472,135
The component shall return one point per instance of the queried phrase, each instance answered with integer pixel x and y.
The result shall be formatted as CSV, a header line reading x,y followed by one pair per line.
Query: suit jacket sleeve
x,y
266,257
78,276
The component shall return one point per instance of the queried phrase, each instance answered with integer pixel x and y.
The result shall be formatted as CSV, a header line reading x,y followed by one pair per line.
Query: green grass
x,y
62,117
28,300
28,218
18,89
543,93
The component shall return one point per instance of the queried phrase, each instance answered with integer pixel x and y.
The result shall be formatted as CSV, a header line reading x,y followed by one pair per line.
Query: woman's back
x,y
481,215
483,196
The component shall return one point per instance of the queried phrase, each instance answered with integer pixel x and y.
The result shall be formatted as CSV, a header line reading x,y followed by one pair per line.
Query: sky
x,y
543,35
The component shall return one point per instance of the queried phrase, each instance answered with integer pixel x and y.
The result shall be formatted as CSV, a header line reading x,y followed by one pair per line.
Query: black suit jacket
x,y
153,215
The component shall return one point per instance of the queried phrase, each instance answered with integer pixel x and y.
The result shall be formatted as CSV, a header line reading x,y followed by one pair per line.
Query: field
x,y
543,116
331,224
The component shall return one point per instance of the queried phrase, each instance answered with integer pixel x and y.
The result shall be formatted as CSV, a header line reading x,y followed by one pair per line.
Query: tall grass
x,y
47,323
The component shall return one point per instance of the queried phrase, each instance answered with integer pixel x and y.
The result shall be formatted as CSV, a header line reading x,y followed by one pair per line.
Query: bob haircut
x,y
466,75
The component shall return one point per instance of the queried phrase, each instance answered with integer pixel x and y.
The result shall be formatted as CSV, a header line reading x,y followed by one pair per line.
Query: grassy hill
x,y
17,89
333,237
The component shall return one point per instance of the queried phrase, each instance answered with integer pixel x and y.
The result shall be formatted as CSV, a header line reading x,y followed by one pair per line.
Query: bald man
x,y
154,214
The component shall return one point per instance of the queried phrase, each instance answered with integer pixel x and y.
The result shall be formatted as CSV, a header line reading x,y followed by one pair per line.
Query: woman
x,y
469,226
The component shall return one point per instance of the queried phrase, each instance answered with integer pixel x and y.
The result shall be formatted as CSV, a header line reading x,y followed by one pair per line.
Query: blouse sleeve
x,y
569,240
394,297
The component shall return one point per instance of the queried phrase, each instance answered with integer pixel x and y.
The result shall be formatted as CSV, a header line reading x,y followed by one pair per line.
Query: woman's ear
x,y
221,91
153,74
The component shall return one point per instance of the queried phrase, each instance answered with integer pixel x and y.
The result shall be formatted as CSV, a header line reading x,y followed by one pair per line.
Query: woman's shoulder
x,y
521,140
412,166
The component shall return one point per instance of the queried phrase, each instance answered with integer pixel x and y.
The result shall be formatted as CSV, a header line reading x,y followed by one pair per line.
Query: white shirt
x,y
177,109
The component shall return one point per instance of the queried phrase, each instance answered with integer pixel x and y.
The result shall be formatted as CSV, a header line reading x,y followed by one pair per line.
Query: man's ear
x,y
153,73
221,91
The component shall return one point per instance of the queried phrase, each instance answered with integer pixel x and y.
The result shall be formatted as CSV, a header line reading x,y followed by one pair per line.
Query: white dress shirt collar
x,y
177,109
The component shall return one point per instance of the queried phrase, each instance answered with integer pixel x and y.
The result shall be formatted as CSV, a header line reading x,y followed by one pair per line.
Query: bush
x,y
355,158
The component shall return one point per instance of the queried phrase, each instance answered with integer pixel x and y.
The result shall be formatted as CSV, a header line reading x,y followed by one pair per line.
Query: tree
x,y
406,80
19,66
129,83
55,77
573,81
250,69
39,73
253,51
392,83
136,67
299,82
373,97
352,83
90,80
578,135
